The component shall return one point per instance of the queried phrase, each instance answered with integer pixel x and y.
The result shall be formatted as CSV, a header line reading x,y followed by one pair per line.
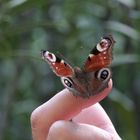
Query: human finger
x,y
63,106
66,130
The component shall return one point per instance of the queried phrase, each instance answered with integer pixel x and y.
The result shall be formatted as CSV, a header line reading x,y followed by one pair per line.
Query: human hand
x,y
50,121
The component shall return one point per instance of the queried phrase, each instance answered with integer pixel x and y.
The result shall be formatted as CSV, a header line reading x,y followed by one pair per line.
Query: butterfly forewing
x,y
101,55
58,65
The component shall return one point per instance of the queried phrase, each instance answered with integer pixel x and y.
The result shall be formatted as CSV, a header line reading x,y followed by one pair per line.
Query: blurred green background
x,y
69,28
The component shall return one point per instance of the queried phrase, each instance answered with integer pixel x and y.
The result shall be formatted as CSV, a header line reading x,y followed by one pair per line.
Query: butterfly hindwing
x,y
59,66
101,55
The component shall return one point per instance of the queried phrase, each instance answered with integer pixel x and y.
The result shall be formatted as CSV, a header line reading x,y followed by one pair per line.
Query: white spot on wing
x,y
62,61
91,55
52,58
99,48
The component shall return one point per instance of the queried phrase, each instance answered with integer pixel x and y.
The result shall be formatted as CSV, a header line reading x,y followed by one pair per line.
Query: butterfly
x,y
95,74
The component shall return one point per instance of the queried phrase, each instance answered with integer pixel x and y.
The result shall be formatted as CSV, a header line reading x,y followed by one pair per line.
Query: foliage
x,y
70,28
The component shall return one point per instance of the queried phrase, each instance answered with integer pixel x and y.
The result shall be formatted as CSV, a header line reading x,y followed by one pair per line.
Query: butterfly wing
x,y
101,55
58,65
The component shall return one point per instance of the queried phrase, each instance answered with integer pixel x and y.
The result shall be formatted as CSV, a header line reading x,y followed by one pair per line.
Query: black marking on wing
x,y
58,59
89,59
94,51
65,64
110,39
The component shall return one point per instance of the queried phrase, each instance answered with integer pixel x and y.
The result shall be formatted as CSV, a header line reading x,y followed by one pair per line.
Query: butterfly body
x,y
84,84
93,77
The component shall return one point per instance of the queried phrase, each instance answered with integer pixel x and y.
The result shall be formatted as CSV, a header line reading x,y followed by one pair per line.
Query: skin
x,y
50,121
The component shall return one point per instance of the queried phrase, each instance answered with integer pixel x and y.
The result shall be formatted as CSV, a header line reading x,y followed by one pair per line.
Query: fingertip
x,y
107,90
110,85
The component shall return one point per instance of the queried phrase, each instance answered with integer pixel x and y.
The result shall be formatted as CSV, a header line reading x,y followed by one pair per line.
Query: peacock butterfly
x,y
95,74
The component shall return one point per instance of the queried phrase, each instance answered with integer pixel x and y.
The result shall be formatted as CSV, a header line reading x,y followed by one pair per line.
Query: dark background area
x,y
69,28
